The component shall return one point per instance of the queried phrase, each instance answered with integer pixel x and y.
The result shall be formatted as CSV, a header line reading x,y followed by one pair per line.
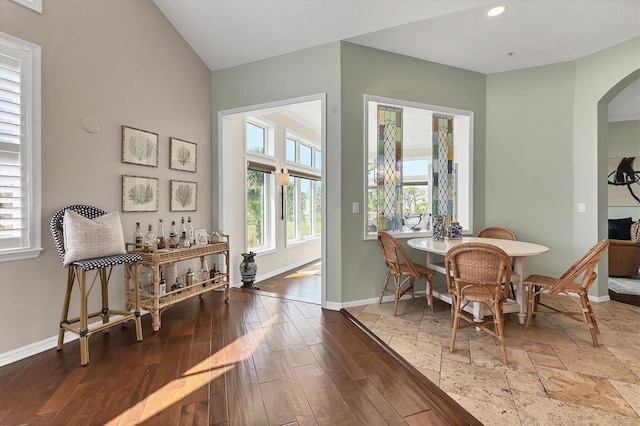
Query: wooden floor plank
x,y
326,403
277,406
294,391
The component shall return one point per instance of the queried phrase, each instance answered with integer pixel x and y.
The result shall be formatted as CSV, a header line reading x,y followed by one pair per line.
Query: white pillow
x,y
86,238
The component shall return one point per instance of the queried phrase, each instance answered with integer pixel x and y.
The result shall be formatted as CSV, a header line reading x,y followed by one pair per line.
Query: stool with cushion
x,y
89,239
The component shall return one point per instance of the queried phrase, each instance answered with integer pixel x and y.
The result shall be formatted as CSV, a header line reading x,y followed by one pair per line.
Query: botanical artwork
x,y
139,147
623,181
184,155
139,194
184,196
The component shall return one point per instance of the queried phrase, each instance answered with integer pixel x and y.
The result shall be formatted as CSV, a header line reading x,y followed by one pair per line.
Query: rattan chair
x,y
77,273
399,265
503,234
475,273
566,285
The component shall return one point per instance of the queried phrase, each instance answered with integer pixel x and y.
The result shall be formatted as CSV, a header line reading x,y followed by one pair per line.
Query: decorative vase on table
x,y
248,270
437,229
455,231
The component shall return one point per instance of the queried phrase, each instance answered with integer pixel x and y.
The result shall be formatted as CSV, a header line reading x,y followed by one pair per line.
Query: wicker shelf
x,y
156,259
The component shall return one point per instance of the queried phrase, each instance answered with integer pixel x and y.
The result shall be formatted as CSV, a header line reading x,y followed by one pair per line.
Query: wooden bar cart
x,y
157,260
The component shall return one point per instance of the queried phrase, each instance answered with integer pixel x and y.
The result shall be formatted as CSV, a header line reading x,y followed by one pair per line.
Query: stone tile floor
x,y
554,377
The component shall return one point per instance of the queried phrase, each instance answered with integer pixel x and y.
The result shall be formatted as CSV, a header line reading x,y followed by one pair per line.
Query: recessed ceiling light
x,y
495,11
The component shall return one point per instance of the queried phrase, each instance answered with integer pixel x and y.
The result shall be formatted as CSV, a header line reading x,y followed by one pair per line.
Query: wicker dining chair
x,y
399,265
475,273
567,285
77,273
503,234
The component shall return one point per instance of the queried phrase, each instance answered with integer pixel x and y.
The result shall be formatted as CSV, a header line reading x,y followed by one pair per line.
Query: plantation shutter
x,y
14,225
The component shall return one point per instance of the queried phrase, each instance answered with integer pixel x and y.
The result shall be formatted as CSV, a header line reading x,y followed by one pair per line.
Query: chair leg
x,y
498,320
384,286
430,291
396,293
84,319
456,321
104,282
411,288
593,316
588,318
136,295
65,307
531,305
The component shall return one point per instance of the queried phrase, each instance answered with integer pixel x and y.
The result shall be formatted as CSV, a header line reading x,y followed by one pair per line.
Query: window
x,y
260,186
418,164
305,155
304,193
291,150
256,138
19,149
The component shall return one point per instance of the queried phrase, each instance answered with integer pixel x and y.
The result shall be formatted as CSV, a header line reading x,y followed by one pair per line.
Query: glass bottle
x,y
161,243
184,241
150,238
173,235
190,233
162,286
137,235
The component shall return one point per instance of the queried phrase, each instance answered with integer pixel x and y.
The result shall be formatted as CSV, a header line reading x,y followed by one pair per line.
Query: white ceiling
x,y
226,33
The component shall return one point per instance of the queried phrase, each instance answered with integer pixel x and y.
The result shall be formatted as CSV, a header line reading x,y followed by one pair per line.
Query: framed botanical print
x,y
139,194
184,196
139,147
184,155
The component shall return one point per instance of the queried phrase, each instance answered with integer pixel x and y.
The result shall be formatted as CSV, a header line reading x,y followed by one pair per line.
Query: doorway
x,y
284,227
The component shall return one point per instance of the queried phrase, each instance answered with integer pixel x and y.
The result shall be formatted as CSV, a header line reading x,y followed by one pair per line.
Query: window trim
x,y
31,79
436,109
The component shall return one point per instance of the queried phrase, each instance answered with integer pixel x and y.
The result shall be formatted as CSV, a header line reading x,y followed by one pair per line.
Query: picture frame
x,y
139,194
139,147
183,155
184,196
201,236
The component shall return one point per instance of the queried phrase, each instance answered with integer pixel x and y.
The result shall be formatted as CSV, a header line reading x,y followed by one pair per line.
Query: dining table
x,y
518,250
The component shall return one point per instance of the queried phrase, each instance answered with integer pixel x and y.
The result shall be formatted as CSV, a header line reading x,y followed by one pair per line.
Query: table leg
x,y
520,268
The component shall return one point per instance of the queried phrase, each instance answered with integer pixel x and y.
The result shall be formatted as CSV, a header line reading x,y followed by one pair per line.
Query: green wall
x,y
624,139
307,72
345,72
529,159
379,73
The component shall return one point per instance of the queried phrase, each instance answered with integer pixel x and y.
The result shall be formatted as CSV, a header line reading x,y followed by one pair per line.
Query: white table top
x,y
512,248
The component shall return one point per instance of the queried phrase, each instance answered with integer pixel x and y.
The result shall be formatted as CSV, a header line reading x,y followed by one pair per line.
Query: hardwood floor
x,y
258,360
303,284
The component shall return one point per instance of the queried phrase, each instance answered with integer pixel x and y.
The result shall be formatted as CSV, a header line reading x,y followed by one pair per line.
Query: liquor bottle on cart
x,y
161,242
173,236
137,235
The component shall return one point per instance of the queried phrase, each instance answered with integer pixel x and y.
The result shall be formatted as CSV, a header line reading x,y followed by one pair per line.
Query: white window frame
x,y
308,170
268,158
463,183
30,149
269,135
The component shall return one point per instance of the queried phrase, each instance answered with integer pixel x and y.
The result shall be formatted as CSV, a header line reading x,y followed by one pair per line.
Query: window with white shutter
x,y
19,149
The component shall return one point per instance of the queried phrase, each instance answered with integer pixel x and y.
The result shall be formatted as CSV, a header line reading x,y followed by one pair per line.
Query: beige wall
x,y
121,63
